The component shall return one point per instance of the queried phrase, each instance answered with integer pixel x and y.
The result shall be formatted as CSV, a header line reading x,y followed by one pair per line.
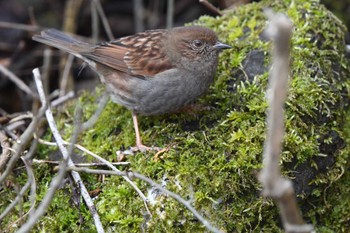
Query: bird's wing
x,y
142,54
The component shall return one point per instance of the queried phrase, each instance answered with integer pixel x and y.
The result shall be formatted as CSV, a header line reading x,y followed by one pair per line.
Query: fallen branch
x,y
36,161
59,177
136,175
20,84
210,7
274,185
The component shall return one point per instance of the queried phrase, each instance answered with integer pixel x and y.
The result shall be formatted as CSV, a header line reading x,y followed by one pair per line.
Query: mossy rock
x,y
215,154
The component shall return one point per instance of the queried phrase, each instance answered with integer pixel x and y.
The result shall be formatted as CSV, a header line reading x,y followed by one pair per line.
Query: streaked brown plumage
x,y
151,72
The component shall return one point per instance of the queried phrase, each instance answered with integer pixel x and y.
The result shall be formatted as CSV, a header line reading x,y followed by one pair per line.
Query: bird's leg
x,y
139,145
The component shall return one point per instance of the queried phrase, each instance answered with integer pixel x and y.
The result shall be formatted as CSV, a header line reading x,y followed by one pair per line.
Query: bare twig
x,y
77,164
15,201
15,125
95,29
274,185
19,26
170,14
138,12
62,99
20,195
20,144
210,7
46,68
107,163
93,119
178,198
55,183
28,161
71,10
104,19
21,85
65,78
22,116
5,155
31,181
57,180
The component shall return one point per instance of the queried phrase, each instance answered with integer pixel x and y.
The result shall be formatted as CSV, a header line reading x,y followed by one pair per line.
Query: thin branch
x,y
211,7
36,161
5,155
274,185
95,29
15,125
132,175
20,144
62,99
144,198
19,26
93,119
46,68
57,180
138,12
28,159
65,79
15,201
31,181
42,208
20,84
103,17
170,14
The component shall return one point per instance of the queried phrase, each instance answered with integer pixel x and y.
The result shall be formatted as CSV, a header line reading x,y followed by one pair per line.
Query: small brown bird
x,y
152,72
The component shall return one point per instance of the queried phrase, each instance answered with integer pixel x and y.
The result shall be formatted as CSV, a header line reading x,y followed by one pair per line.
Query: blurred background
x,y
21,19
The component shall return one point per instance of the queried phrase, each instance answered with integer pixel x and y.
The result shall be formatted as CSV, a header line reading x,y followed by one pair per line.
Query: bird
x,y
152,72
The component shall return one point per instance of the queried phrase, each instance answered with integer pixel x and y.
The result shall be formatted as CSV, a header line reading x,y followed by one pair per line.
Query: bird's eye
x,y
197,43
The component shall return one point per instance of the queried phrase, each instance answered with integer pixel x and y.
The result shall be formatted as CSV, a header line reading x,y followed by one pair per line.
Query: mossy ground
x,y
215,154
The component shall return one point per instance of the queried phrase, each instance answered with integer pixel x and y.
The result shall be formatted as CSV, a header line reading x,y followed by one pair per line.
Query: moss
x,y
215,154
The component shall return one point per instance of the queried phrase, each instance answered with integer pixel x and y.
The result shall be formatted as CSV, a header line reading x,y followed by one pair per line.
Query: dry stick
x,y
36,161
65,78
138,12
19,26
19,146
31,181
210,7
21,85
15,202
22,116
15,125
132,175
62,99
93,119
139,176
46,68
28,157
55,183
280,189
104,19
95,29
9,133
108,164
19,195
71,10
170,14
5,155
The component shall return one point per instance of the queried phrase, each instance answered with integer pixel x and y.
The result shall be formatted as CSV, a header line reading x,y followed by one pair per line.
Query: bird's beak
x,y
220,46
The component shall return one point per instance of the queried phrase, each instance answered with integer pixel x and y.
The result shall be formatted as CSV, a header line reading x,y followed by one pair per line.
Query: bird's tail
x,y
62,41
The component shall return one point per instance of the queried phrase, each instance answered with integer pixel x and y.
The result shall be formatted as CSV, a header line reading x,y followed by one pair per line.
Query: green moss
x,y
215,154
